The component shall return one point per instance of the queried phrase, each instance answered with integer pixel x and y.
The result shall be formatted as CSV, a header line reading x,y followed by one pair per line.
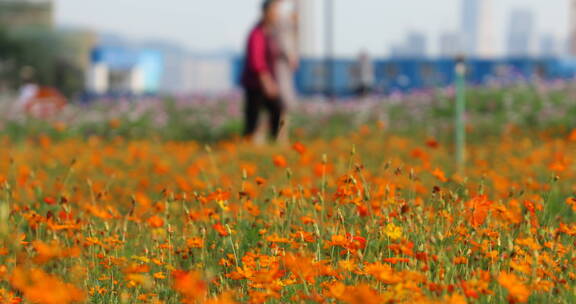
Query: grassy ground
x,y
367,208
491,111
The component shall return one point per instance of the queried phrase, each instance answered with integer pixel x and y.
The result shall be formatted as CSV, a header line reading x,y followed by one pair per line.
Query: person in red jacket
x,y
258,78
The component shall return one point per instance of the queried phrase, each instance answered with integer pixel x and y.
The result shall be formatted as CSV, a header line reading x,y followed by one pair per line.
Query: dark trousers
x,y
256,101
363,90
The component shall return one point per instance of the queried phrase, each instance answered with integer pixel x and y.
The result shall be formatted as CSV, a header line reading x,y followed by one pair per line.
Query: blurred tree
x,y
9,60
45,52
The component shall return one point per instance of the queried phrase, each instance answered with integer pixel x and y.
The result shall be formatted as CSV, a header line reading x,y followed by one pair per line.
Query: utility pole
x,y
329,49
459,119
572,29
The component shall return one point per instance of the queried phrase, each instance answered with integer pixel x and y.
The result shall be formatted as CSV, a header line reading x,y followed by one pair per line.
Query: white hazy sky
x,y
361,24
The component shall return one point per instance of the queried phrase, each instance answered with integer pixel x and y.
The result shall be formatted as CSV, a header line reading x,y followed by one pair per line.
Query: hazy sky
x,y
369,24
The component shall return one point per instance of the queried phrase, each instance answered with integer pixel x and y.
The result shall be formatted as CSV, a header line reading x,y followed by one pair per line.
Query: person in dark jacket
x,y
258,78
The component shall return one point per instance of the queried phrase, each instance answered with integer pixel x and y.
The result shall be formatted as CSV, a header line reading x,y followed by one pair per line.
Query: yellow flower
x,y
393,232
159,276
223,205
142,259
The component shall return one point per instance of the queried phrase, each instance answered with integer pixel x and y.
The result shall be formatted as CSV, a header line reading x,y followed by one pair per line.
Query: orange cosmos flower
x,y
307,220
47,252
303,267
155,221
360,294
558,166
455,299
321,169
478,209
439,174
195,242
159,275
190,285
280,161
299,147
572,136
225,298
395,261
469,290
260,181
349,242
517,291
532,207
39,287
571,201
383,273
432,143
50,200
222,231
362,210
249,168
252,208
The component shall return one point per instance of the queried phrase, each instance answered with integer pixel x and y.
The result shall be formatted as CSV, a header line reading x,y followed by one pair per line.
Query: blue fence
x,y
404,75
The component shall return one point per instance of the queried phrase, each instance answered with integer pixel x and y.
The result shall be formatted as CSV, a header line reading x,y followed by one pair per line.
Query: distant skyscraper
x,y
572,30
548,46
306,13
398,51
520,33
469,26
476,26
414,45
450,44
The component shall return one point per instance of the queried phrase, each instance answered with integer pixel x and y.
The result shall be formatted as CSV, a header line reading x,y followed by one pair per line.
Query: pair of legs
x,y
363,90
256,101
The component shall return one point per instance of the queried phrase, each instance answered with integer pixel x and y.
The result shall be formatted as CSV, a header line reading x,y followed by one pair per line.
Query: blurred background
x,y
90,49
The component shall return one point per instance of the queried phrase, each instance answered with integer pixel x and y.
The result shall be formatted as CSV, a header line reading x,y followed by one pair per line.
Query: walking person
x,y
364,75
285,34
259,79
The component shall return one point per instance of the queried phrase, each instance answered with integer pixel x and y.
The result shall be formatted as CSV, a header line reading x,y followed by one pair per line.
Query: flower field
x,y
370,216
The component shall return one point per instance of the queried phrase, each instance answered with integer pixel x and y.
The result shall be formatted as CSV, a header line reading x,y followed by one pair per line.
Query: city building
x,y
414,46
26,13
118,65
396,51
476,27
549,46
450,44
186,73
520,33
120,70
469,26
210,74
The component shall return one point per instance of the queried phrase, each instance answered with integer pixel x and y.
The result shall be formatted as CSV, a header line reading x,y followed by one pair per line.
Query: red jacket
x,y
259,58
